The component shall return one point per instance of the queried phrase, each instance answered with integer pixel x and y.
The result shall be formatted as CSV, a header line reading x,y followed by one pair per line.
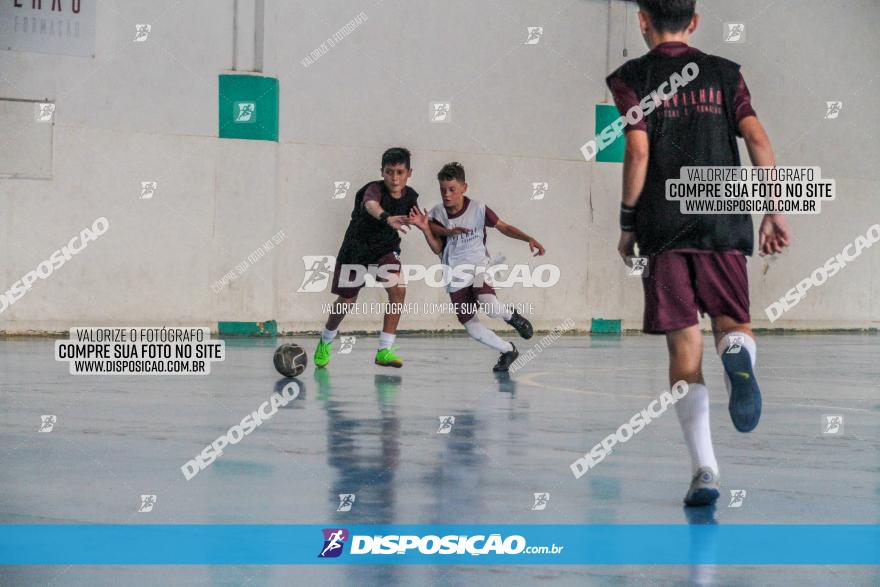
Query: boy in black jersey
x,y
381,209
697,263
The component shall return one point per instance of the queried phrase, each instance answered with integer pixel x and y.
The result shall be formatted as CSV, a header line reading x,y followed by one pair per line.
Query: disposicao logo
x,y
334,540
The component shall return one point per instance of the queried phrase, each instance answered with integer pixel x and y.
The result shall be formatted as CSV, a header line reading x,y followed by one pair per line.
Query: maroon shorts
x,y
680,284
391,262
465,300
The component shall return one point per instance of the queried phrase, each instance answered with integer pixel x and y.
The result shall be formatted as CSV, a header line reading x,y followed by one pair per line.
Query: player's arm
x,y
635,169
773,236
635,163
372,204
423,222
375,210
443,231
635,166
511,231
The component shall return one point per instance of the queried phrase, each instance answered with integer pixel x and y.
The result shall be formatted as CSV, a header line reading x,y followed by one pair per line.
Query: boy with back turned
x,y
696,263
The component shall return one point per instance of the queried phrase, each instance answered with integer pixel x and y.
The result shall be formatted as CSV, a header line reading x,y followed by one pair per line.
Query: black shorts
x,y
389,261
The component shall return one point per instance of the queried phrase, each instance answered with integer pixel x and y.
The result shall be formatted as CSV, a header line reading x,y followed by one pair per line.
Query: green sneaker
x,y
322,353
387,358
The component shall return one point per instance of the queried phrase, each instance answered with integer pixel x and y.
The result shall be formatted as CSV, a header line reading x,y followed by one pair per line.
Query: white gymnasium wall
x,y
148,111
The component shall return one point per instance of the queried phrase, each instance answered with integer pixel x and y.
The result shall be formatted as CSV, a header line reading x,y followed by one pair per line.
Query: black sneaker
x,y
745,395
704,489
506,359
523,326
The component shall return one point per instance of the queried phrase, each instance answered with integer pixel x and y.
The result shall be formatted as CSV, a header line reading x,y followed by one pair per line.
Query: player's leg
x,y
685,364
723,292
480,333
386,355
671,309
338,311
465,302
495,309
346,296
735,343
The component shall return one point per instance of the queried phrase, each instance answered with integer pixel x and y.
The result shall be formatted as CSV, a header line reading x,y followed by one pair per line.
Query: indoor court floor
x,y
374,432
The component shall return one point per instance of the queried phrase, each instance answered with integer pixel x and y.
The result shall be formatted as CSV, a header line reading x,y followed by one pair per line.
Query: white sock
x,y
482,334
693,415
386,340
494,308
748,343
328,335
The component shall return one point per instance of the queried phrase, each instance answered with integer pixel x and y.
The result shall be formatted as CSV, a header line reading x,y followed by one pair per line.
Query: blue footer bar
x,y
267,544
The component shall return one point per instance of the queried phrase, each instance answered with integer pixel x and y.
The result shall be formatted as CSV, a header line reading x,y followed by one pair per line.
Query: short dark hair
x,y
396,156
669,16
451,171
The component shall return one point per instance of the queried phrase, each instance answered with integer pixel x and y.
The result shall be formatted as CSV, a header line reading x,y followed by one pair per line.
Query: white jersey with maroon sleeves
x,y
470,248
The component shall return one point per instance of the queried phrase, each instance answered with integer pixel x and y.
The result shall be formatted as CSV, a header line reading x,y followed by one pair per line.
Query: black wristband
x,y
627,218
384,216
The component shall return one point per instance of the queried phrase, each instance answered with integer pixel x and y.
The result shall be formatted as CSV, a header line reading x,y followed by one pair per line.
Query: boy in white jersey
x,y
464,248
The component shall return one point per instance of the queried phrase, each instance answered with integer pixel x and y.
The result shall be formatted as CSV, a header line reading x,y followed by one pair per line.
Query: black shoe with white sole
x,y
506,359
521,325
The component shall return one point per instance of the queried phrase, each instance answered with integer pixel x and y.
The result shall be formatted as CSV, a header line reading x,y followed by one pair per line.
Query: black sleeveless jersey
x,y
368,239
696,127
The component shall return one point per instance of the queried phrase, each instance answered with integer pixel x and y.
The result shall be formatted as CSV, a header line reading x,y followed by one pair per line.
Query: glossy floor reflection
x,y
441,440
